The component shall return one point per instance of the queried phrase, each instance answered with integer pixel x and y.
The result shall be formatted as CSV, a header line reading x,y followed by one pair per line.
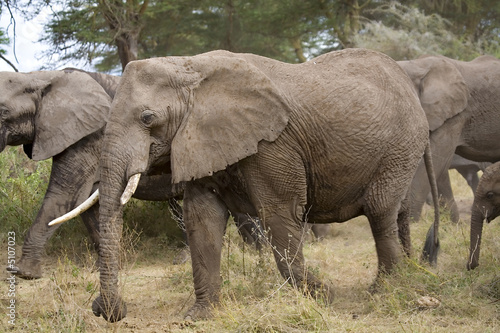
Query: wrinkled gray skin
x,y
462,105
486,206
328,140
61,114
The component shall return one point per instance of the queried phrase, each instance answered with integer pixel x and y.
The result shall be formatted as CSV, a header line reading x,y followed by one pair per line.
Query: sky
x,y
28,50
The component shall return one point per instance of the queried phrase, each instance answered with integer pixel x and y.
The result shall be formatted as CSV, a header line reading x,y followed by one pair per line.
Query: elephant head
x,y
49,111
486,206
440,86
156,117
443,94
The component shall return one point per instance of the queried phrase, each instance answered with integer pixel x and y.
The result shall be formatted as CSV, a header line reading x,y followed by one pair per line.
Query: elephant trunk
x,y
113,170
476,230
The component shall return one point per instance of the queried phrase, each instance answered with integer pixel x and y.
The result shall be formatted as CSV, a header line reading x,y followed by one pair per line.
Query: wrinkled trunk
x,y
125,152
110,225
476,230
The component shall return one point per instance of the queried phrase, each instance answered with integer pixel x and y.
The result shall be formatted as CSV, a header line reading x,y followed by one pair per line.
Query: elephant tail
x,y
431,246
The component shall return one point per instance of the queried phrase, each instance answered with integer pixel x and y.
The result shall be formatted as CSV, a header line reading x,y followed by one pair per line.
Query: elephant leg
x,y
205,217
385,233
70,184
90,219
286,237
404,227
320,231
446,198
470,175
250,229
443,143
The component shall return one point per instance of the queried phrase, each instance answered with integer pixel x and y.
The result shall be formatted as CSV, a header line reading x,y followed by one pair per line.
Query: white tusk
x,y
130,189
78,210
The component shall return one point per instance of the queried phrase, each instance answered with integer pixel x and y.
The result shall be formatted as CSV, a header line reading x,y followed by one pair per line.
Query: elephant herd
x,y
345,134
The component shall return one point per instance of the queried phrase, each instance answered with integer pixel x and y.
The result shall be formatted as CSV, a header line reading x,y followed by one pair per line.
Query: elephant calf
x,y
486,206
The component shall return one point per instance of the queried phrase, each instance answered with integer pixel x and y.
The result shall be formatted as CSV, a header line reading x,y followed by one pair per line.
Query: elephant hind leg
x,y
390,225
287,236
404,227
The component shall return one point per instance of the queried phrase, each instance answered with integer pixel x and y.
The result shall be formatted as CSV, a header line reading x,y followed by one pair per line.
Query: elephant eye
x,y
4,112
490,195
148,117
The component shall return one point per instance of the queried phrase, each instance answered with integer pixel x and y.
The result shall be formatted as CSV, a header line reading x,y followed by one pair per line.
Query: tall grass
x,y
255,298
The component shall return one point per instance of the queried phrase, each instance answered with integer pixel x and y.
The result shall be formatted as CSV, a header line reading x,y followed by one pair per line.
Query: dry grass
x,y
255,298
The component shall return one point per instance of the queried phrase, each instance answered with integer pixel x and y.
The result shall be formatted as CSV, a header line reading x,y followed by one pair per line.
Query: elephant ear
x,y
235,106
72,106
441,88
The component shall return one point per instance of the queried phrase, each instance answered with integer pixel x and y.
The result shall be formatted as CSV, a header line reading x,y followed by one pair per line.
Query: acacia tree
x,y
88,29
109,33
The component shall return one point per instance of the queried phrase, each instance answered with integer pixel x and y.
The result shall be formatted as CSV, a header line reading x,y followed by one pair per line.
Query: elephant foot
x,y
112,310
27,269
199,312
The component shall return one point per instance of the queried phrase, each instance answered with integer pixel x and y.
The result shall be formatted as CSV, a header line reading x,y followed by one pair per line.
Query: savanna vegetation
x,y
415,298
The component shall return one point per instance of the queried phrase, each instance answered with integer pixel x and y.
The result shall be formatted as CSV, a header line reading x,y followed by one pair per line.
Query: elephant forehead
x,y
173,72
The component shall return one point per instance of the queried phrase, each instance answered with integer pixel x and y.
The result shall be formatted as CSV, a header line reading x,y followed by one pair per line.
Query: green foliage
x,y
291,31
404,33
23,184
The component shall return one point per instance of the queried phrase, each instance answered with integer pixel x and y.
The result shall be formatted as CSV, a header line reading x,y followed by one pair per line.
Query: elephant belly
x,y
479,154
337,200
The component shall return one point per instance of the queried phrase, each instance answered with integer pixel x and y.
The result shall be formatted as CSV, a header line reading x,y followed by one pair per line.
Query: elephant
x,y
462,105
486,206
61,115
327,140
58,115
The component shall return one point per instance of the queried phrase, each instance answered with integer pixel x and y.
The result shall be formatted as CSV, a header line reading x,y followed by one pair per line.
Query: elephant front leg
x,y
70,183
286,236
205,217
29,266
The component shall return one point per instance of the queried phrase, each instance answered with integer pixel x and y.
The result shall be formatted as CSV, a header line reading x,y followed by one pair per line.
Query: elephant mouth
x,y
491,217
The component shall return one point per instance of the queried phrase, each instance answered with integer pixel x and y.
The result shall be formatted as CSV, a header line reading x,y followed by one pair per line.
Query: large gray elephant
x,y
462,105
61,115
327,140
486,206
58,115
